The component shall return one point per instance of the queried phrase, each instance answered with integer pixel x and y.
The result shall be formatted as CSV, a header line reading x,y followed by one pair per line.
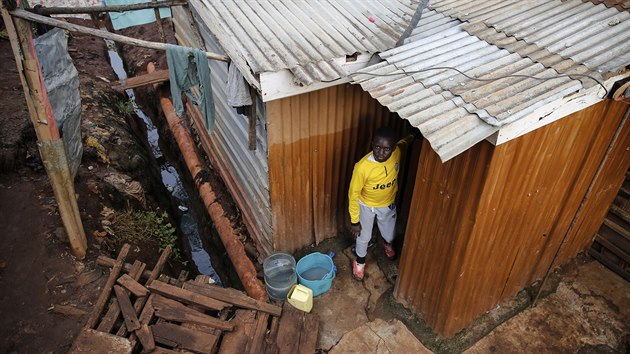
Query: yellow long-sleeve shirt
x,y
375,183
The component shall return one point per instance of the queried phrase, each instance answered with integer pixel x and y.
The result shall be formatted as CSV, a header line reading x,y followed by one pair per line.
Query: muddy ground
x,y
46,292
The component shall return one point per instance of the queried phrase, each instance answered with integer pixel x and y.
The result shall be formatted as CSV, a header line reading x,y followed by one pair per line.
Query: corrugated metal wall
x,y
605,187
245,172
314,141
489,222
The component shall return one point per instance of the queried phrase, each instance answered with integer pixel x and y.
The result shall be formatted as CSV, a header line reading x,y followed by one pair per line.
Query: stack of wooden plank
x,y
611,245
164,315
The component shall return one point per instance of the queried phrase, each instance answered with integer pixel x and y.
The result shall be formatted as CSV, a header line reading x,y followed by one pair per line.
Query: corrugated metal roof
x,y
542,38
621,5
303,36
593,35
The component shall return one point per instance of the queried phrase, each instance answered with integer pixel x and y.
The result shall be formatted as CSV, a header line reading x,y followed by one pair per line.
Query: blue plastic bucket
x,y
316,271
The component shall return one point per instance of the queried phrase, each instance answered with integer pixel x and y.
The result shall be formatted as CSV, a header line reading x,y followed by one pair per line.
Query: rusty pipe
x,y
235,249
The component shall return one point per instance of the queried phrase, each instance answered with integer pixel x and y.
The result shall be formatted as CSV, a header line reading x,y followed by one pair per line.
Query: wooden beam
x,y
158,22
132,285
109,262
50,145
141,301
141,80
107,288
145,336
172,310
169,334
252,119
187,296
100,33
109,319
129,313
63,10
233,297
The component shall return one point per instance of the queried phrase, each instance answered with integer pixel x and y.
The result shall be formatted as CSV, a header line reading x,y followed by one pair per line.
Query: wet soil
x,y
47,293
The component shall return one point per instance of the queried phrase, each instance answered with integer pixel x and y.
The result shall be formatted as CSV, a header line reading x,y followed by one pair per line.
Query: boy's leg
x,y
386,219
366,218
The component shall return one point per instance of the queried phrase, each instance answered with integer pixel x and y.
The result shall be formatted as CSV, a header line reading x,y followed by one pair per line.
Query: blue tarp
x,y
126,19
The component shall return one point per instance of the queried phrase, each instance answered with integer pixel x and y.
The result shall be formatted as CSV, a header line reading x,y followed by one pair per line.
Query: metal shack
x,y
522,151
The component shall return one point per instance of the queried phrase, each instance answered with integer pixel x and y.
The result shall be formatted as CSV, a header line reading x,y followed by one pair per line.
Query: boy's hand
x,y
355,229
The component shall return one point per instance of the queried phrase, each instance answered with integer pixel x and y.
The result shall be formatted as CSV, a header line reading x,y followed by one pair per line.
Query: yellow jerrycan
x,y
301,297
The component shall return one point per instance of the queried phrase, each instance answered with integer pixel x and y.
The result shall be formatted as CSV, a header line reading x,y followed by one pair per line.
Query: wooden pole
x,y
99,33
50,145
158,21
63,10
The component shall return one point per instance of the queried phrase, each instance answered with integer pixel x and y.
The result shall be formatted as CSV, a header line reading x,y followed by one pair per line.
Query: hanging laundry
x,y
126,19
237,88
188,67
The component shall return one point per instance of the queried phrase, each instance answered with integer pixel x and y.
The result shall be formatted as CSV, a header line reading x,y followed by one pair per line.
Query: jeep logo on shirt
x,y
383,186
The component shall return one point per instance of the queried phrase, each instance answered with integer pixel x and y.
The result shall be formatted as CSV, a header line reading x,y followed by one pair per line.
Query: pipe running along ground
x,y
235,249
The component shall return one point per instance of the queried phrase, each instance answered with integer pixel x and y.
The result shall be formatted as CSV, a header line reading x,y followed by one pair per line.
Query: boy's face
x,y
382,148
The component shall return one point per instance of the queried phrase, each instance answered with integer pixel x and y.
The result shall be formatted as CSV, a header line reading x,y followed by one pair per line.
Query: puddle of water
x,y
170,177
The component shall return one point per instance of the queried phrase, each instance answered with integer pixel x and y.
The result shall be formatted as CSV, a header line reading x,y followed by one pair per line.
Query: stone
x,y
60,234
381,337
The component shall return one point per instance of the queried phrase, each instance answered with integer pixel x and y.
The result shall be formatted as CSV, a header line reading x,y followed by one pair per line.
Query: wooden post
x,y
252,120
158,21
50,145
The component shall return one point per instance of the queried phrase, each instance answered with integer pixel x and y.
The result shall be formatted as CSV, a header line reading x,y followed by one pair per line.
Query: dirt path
x,y
37,272
46,294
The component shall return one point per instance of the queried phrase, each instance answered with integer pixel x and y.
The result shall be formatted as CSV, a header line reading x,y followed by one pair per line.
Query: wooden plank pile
x,y
611,245
166,315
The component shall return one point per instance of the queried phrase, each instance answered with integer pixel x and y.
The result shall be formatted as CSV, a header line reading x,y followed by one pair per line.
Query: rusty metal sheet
x,y
244,170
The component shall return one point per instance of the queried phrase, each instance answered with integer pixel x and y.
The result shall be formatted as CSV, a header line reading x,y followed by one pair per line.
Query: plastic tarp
x,y
126,19
62,85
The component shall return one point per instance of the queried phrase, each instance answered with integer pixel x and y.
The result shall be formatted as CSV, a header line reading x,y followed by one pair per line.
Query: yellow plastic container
x,y
301,297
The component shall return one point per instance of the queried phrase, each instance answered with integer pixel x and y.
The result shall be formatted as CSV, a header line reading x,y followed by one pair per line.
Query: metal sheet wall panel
x,y
490,221
605,186
314,141
247,169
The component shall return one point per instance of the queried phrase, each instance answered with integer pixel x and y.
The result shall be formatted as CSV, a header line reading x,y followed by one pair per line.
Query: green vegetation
x,y
151,226
124,108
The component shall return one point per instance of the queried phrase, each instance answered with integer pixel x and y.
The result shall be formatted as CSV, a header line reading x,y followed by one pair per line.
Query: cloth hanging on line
x,y
126,19
188,67
237,88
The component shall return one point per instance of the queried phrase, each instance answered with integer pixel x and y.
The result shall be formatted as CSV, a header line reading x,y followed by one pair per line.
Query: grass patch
x,y
152,226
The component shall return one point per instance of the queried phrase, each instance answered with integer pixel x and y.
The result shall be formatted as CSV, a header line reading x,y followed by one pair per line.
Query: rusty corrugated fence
x,y
489,222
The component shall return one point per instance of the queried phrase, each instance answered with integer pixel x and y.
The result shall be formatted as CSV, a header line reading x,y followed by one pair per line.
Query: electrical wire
x,y
489,79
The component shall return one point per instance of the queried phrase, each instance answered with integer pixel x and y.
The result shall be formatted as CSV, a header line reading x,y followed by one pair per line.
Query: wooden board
x,y
111,316
257,341
132,285
297,331
92,341
145,336
107,288
169,334
175,311
232,296
142,80
237,341
129,313
186,296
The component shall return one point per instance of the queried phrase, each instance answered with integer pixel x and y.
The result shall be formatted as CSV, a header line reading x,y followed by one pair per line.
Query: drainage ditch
x,y
180,190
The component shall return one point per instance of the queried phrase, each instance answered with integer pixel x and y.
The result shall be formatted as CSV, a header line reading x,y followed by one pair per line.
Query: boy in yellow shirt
x,y
372,194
